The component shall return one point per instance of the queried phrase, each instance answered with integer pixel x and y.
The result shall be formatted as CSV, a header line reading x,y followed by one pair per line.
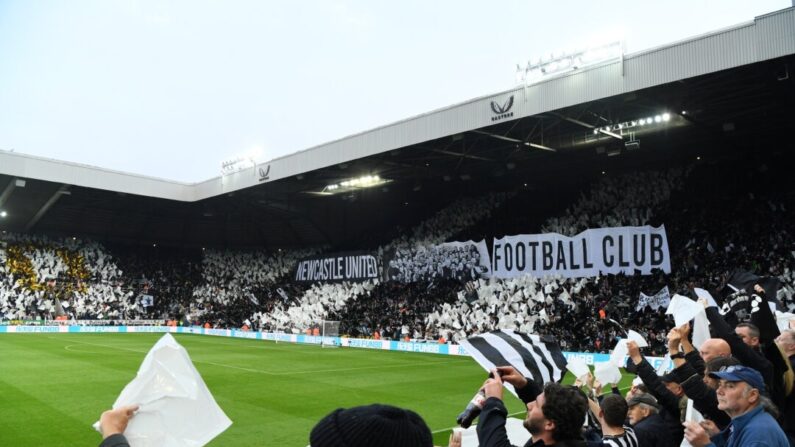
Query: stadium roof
x,y
729,88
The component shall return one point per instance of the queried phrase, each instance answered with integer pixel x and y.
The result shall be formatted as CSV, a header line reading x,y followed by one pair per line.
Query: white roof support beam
x,y
63,190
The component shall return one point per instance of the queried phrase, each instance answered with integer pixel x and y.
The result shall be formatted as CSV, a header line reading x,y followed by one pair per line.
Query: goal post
x,y
329,333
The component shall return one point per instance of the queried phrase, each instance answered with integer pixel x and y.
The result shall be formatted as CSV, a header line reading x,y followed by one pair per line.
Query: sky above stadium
x,y
171,88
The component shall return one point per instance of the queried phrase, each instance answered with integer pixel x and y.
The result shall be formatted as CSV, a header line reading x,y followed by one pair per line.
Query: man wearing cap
x,y
660,409
637,387
554,414
650,427
740,396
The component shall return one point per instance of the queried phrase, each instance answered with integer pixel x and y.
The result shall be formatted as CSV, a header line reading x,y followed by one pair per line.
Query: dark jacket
x,y
704,398
491,423
663,429
573,443
655,431
117,440
742,352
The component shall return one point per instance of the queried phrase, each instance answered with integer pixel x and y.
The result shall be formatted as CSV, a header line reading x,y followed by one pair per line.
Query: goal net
x,y
330,333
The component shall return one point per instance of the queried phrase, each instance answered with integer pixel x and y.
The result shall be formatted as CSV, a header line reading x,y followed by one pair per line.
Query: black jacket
x,y
742,352
117,440
491,423
663,429
704,398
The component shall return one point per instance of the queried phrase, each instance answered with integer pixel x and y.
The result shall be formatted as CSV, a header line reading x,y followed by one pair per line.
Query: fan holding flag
x,y
531,367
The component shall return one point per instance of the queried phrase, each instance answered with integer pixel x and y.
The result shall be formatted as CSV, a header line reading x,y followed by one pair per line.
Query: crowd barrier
x,y
386,345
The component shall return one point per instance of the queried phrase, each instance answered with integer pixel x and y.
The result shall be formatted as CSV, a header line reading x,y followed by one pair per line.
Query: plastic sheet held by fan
x,y
176,408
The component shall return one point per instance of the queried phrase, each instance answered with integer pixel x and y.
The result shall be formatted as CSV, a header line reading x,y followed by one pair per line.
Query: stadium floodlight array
x,y
619,128
365,181
563,62
240,162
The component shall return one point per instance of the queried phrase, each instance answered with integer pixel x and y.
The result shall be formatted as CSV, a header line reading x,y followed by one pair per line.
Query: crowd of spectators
x,y
237,285
312,307
253,288
395,310
82,275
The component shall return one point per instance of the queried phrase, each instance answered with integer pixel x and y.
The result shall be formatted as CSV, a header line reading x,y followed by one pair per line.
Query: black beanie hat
x,y
371,425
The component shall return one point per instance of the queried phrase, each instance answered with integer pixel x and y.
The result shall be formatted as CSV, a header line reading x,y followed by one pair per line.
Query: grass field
x,y
54,386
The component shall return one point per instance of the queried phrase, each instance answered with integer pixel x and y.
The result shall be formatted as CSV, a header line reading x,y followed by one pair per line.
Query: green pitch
x,y
54,386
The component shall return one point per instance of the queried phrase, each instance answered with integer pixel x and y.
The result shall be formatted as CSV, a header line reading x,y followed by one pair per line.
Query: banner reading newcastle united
x,y
606,250
338,267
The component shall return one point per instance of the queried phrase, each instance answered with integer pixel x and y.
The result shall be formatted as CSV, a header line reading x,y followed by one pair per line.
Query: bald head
x,y
714,347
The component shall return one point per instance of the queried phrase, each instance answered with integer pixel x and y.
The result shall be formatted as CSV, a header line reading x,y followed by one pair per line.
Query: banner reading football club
x,y
627,250
353,267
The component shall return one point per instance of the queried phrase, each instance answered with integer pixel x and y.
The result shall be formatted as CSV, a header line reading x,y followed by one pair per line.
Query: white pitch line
x,y
100,345
274,373
364,367
273,346
290,373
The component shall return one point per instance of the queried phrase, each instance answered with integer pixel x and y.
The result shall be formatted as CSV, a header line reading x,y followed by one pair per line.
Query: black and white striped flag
x,y
537,357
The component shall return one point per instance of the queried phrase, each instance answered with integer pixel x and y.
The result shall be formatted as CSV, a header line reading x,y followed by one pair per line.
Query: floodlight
x,y
666,116
3,214
657,119
365,181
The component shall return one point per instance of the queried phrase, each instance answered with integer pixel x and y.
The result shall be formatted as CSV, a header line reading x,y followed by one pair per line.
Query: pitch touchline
x,y
268,372
364,367
286,346
316,370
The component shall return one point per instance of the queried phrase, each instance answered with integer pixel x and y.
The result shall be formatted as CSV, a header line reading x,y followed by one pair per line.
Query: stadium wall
x,y
385,345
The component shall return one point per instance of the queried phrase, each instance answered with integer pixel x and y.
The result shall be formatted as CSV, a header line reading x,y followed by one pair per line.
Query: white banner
x,y
461,260
656,301
337,267
603,250
483,253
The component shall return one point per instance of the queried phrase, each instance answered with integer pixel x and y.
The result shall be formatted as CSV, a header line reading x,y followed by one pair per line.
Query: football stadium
x,y
621,218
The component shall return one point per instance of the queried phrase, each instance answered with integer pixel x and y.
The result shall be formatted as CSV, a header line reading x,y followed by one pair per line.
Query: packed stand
x,y
237,285
327,301
755,236
393,310
43,278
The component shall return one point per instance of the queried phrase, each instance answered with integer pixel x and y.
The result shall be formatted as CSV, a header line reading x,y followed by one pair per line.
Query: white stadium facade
x,y
729,93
